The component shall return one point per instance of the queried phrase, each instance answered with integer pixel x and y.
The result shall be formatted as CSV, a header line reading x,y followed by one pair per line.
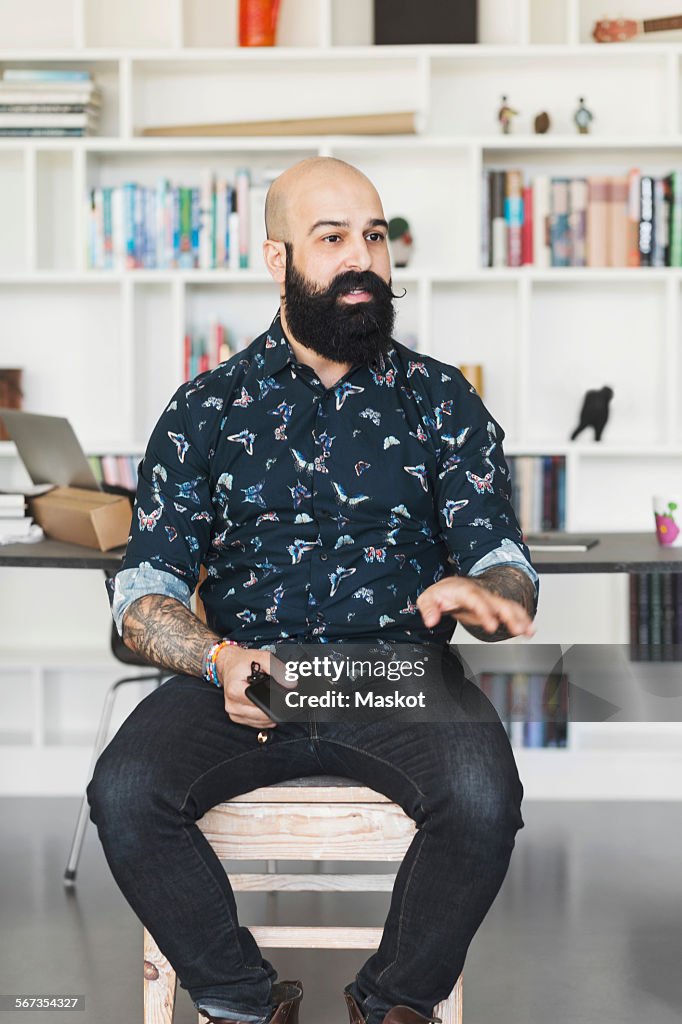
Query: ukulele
x,y
620,30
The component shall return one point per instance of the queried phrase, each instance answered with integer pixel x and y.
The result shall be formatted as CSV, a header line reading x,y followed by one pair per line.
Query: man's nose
x,y
357,255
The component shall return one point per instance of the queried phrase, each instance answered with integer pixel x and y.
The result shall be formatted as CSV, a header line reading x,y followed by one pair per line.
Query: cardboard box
x,y
92,518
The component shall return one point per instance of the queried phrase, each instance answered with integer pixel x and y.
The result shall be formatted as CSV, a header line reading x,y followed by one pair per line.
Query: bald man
x,y
338,488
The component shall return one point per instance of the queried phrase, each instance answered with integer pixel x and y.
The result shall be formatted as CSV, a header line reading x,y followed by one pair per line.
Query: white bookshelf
x,y
544,336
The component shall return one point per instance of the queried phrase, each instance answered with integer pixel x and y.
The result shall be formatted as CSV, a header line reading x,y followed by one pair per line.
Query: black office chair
x,y
127,657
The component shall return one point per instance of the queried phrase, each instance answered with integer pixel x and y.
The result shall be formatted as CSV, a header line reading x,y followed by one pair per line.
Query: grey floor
x,y
587,928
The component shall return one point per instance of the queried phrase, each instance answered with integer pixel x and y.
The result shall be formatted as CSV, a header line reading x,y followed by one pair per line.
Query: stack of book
x,y
539,491
48,103
205,351
118,471
627,220
656,616
216,224
533,708
15,525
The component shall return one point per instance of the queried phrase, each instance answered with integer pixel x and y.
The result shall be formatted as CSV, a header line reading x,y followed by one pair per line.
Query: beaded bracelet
x,y
210,672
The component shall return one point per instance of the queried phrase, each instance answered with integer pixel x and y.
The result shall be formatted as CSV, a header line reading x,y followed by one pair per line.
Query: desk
x,y
56,554
615,552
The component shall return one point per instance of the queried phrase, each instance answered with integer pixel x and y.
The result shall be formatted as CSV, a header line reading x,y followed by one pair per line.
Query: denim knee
x,y
481,801
120,791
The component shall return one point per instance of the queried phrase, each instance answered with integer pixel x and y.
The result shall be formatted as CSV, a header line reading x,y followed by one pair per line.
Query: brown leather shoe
x,y
396,1015
286,995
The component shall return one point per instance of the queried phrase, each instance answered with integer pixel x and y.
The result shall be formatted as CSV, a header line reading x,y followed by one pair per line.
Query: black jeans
x,y
178,754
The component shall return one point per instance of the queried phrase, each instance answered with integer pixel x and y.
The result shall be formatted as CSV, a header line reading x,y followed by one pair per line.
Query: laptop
x,y
49,450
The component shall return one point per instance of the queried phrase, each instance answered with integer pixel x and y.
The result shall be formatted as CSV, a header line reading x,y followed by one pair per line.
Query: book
x,y
527,229
558,222
556,541
597,213
661,222
11,503
646,220
45,75
617,222
498,223
12,120
401,123
541,235
633,218
17,133
513,215
485,219
577,221
675,247
15,527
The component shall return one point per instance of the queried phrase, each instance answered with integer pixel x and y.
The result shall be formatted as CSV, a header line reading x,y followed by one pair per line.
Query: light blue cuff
x,y
129,584
508,553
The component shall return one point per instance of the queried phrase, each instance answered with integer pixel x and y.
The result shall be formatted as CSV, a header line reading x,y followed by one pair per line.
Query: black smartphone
x,y
268,694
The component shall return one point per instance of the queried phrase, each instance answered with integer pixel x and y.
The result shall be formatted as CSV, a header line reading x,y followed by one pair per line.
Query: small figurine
x,y
401,241
505,115
583,117
542,123
595,412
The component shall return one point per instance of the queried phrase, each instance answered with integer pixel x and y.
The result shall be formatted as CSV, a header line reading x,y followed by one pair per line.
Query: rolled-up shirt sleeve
x,y
473,491
172,514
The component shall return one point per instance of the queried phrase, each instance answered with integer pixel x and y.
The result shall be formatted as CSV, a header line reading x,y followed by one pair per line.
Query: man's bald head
x,y
286,191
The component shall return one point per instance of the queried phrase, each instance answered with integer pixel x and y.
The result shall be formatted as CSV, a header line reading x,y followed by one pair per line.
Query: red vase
x,y
258,22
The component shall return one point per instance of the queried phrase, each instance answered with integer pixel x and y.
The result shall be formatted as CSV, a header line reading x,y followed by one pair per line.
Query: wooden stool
x,y
315,818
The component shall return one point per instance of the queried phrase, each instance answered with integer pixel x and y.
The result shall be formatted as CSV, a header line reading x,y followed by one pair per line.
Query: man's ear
x,y
275,256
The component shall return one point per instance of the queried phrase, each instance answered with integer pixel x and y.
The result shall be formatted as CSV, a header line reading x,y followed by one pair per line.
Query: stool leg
x,y
450,1010
160,982
100,742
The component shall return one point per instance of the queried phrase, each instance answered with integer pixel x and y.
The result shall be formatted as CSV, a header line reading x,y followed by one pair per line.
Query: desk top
x,y
57,554
615,552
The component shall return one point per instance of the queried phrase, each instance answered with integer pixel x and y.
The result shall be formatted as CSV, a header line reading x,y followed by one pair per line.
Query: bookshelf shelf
x,y
544,336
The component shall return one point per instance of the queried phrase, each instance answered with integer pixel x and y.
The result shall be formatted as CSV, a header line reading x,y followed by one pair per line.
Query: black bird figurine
x,y
595,412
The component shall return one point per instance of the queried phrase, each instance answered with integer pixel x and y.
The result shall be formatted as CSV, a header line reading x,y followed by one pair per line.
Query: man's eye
x,y
331,238
376,236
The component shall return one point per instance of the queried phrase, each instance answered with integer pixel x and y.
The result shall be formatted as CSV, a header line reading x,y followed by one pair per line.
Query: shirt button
x,y
324,556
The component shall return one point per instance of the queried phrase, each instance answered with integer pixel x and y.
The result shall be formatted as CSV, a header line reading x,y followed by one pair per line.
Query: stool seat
x,y
318,817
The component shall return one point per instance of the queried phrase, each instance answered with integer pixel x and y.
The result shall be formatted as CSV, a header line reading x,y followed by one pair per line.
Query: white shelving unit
x,y
105,348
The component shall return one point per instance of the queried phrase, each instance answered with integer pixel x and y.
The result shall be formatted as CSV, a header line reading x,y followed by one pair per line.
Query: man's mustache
x,y
365,281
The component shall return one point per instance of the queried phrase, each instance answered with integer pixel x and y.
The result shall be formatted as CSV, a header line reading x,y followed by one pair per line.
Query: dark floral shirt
x,y
319,513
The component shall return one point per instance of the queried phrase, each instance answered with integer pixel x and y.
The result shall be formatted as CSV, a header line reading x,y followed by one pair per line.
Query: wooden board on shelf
x,y
401,123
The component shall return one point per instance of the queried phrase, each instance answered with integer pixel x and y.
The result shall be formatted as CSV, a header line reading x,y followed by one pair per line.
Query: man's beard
x,y
343,332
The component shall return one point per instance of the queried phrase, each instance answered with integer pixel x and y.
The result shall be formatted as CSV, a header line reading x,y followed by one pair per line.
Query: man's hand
x,y
474,605
234,668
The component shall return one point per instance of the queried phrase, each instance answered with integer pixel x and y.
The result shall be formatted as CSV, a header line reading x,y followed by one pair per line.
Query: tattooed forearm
x,y
167,634
515,585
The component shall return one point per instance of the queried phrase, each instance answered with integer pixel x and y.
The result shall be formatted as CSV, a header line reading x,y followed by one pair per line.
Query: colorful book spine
x,y
656,616
129,225
243,185
498,224
206,220
485,219
528,229
542,250
559,224
633,218
617,222
513,215
646,220
661,222
675,255
577,221
185,260
597,214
